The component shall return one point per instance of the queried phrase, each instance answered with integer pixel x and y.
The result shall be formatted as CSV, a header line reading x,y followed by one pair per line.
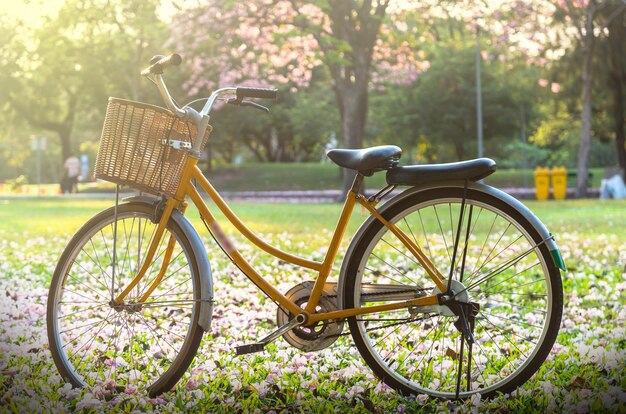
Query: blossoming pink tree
x,y
361,43
283,41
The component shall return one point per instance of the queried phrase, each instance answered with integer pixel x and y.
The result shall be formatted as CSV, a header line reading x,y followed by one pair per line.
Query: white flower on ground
x,y
88,401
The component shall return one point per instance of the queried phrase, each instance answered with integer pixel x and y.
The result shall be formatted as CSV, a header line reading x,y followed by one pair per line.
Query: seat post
x,y
357,183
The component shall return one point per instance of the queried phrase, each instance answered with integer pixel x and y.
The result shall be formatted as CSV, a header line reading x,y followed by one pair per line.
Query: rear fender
x,y
494,192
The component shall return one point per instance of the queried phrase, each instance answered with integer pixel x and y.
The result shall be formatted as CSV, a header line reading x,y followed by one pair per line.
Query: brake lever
x,y
255,105
235,101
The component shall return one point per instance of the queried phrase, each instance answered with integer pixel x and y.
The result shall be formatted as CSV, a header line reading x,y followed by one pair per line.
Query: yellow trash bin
x,y
559,183
542,183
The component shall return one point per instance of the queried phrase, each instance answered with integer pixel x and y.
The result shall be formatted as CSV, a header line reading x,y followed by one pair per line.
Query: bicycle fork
x,y
149,256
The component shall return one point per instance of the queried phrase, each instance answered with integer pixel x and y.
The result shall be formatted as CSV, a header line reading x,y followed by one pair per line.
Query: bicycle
x,y
449,288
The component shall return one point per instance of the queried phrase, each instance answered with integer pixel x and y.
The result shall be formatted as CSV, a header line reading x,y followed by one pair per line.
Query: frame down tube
x,y
235,221
234,254
147,261
323,269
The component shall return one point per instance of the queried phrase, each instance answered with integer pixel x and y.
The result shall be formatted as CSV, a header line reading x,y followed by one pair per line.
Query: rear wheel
x,y
502,268
146,345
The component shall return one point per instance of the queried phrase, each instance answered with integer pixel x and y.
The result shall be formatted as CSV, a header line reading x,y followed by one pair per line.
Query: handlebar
x,y
159,62
244,92
155,71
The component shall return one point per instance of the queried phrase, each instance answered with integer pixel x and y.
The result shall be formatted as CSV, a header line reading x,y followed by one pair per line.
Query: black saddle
x,y
472,170
367,160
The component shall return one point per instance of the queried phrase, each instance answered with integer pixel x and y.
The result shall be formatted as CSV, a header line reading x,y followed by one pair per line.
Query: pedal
x,y
259,346
249,349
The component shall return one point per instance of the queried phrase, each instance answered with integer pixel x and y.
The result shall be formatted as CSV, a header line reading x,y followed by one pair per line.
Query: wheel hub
x,y
458,293
128,307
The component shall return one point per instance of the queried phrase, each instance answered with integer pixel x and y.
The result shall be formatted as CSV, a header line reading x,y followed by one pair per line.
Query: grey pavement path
x,y
322,196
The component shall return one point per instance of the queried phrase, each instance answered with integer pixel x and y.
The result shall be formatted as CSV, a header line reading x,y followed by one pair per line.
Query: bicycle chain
x,y
421,290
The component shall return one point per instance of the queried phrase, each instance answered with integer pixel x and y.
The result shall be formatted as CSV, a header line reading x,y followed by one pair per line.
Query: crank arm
x,y
259,346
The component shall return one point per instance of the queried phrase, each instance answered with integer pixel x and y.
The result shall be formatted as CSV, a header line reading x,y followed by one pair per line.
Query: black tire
x,y
419,351
97,345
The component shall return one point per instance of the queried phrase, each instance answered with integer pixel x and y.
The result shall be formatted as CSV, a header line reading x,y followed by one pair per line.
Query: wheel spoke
x,y
493,258
500,269
442,235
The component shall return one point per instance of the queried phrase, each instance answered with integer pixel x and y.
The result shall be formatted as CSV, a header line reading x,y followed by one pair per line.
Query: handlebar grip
x,y
244,92
159,62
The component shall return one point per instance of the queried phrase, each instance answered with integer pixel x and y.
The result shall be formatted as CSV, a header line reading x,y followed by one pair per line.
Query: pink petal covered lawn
x,y
584,373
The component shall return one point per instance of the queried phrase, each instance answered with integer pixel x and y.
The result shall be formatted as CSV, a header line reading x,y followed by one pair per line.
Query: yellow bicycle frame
x,y
192,172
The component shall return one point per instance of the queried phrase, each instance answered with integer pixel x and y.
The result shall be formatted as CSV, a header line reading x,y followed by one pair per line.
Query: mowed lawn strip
x,y
59,216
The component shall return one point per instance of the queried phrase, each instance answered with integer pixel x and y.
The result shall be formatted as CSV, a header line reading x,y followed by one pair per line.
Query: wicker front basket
x,y
132,151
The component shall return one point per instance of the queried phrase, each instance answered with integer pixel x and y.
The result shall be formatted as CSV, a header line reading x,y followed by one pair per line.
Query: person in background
x,y
70,177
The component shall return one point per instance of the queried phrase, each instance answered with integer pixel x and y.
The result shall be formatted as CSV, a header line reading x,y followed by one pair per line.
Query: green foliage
x,y
393,120
557,137
295,130
314,117
56,78
15,183
441,106
558,133
524,155
556,130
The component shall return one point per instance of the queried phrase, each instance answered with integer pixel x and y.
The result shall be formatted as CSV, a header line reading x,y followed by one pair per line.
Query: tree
x,y
549,28
68,68
443,105
583,15
615,47
281,41
296,129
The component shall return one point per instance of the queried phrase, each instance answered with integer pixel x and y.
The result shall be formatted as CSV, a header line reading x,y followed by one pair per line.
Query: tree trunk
x,y
584,149
618,118
358,27
353,104
617,82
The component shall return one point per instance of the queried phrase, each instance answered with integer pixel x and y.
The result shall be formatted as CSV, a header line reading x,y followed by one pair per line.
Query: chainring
x,y
319,335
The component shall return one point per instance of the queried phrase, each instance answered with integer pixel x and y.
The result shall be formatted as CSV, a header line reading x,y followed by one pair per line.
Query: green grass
x,y
63,216
47,216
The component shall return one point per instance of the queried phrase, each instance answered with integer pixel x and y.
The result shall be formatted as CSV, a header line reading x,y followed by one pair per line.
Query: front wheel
x,y
502,270
142,345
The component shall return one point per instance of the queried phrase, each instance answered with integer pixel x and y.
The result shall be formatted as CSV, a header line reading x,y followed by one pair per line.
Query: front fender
x,y
494,192
204,267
